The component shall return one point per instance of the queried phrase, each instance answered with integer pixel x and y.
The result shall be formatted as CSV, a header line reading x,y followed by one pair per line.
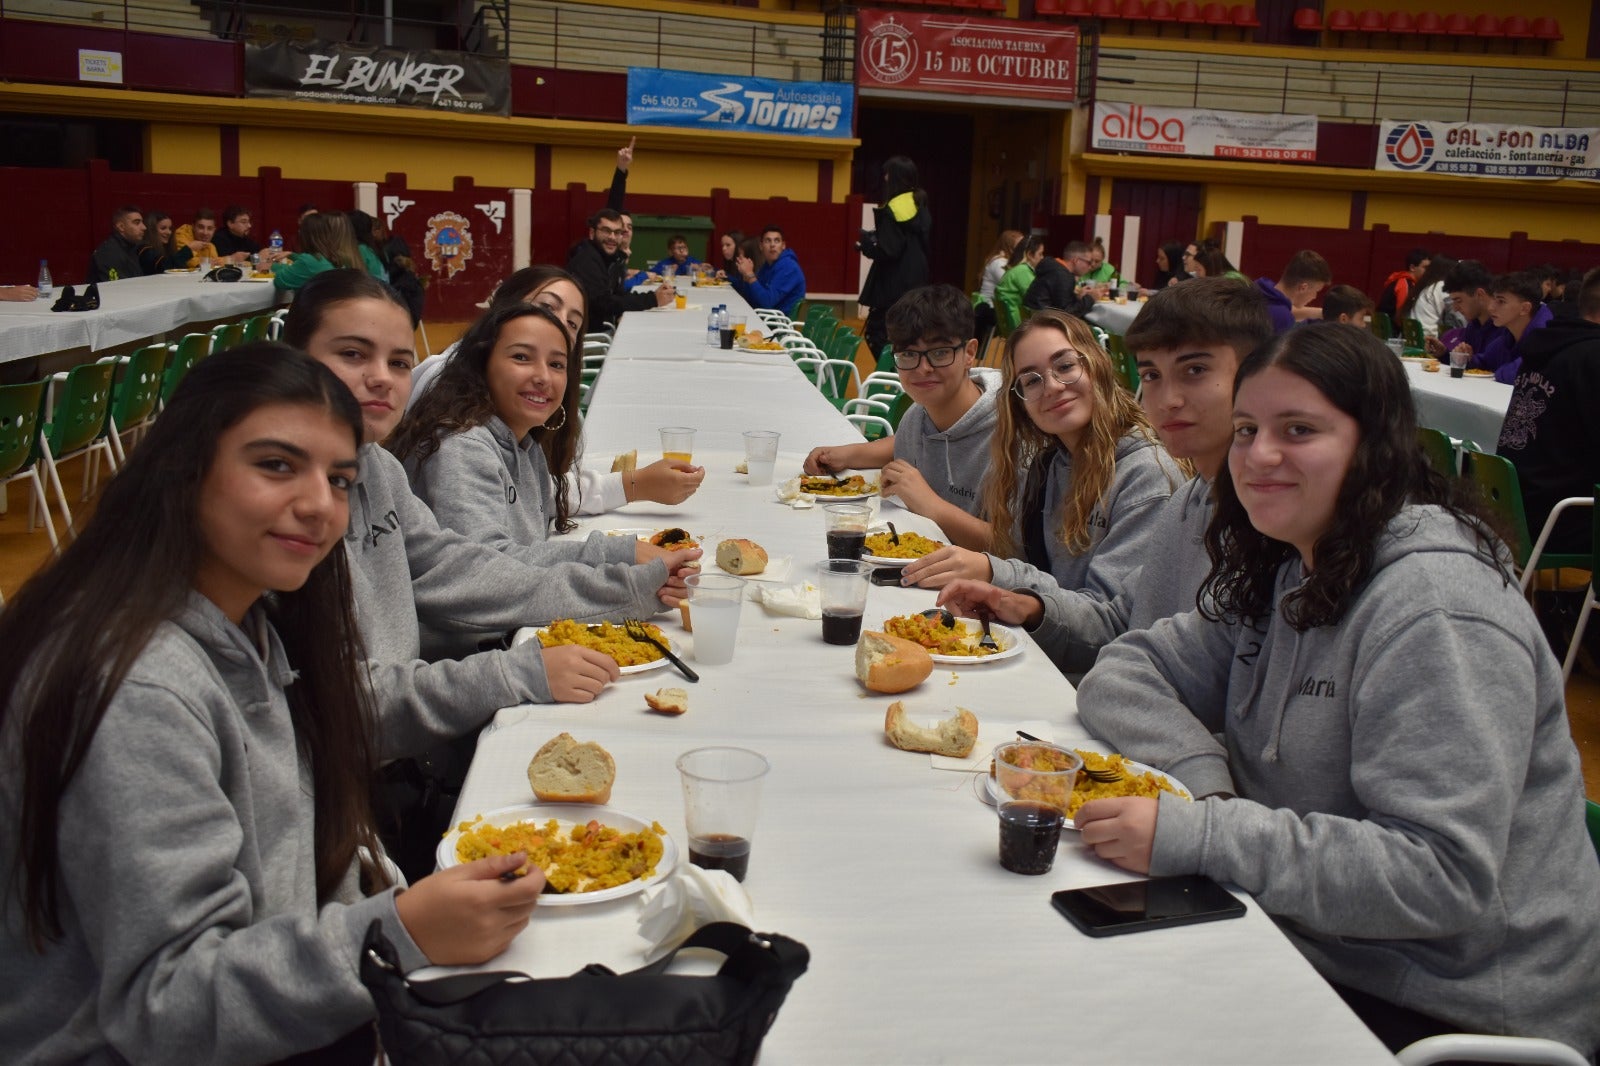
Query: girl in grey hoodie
x,y
1370,716
188,738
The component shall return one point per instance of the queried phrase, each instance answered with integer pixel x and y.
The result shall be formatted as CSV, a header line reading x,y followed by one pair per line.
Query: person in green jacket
x,y
1015,281
327,242
1100,271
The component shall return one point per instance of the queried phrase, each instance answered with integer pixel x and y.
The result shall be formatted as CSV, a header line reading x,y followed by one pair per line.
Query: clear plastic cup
x,y
1033,782
715,600
721,799
677,442
843,584
760,455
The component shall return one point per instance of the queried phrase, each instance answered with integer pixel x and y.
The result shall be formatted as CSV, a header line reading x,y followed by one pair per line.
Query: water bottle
x,y
46,287
711,329
276,241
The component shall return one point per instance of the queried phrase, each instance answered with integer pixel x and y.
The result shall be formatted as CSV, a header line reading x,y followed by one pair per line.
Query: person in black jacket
x,y
118,255
1055,282
600,267
898,247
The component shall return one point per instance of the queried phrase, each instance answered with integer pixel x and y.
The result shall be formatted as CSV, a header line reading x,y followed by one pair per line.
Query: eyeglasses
x,y
936,357
607,231
1029,386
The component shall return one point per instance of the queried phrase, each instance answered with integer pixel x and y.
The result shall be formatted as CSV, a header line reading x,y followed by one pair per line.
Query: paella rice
x,y
938,638
911,546
1132,783
854,485
579,858
603,636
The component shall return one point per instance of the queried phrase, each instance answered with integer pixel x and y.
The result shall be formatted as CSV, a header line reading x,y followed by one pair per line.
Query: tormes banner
x,y
951,55
738,103
1486,150
371,74
1216,134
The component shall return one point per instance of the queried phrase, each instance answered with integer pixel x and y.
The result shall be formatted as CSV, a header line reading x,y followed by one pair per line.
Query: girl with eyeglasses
x,y
1370,715
1076,474
188,738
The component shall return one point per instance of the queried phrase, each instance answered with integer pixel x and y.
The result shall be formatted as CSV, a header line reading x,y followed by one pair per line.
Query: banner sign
x,y
1487,150
904,51
739,103
1217,134
372,74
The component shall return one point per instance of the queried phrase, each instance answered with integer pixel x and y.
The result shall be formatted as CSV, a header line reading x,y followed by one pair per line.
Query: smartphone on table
x,y
1107,910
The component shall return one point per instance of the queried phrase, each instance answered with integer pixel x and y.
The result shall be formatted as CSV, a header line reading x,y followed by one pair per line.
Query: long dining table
x,y
923,949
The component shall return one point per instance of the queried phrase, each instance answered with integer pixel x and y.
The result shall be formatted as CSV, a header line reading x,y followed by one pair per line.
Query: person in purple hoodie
x,y
1467,285
1289,298
1515,307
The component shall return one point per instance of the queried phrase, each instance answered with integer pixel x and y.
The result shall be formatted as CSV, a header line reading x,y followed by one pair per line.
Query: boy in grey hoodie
x,y
936,459
1188,341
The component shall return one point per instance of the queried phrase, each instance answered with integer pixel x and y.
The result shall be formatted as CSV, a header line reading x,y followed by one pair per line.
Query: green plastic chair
x,y
258,328
1382,325
227,335
1591,815
1411,330
1497,480
1127,366
136,392
1440,452
19,425
76,427
185,354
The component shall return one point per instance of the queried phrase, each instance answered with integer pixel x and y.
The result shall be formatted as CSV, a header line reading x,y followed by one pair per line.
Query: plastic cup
x,y
843,584
714,603
1033,782
760,455
1397,346
677,442
1458,364
725,338
846,526
682,301
721,798
669,271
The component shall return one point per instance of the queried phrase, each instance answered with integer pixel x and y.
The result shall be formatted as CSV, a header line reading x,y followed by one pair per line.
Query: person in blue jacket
x,y
780,284
678,257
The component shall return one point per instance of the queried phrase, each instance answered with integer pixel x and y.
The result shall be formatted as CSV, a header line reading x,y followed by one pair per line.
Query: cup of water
x,y
760,455
1397,346
715,600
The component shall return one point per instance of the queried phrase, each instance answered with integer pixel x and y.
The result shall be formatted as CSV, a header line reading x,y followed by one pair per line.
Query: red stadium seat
x,y
1516,27
1244,16
1371,21
1547,29
1340,20
1429,23
1216,15
1076,9
1486,26
1158,11
1308,20
1188,11
993,5
1457,25
1402,24
1131,10
1047,7
1105,9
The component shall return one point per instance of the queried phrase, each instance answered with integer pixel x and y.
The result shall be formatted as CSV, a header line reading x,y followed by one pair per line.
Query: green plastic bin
x,y
651,233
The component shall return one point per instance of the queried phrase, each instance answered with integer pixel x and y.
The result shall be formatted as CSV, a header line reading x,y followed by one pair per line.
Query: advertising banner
x,y
739,104
952,55
371,74
1215,134
1488,150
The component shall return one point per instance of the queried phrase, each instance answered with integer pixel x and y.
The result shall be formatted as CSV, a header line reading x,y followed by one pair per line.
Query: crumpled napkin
x,y
690,898
797,601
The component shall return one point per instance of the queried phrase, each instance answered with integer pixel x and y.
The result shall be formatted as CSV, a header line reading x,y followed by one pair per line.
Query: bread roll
x,y
955,736
668,700
626,463
887,663
565,771
683,612
741,557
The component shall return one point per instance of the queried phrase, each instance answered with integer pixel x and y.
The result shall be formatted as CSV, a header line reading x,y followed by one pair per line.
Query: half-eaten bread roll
x,y
741,557
565,771
956,736
886,663
625,463
668,700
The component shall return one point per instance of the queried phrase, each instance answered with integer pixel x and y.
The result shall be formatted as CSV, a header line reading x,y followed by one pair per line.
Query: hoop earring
x,y
557,425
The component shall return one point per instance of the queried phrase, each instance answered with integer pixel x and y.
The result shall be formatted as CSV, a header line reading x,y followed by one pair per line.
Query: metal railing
x,y
177,17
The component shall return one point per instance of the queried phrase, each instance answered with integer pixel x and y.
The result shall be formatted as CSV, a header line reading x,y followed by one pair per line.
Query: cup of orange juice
x,y
681,300
677,443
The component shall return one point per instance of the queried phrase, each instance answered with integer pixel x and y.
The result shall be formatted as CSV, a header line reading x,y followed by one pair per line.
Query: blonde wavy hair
x,y
1017,443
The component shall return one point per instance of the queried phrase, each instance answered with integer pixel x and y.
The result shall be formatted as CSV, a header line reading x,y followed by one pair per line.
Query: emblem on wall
x,y
448,243
495,210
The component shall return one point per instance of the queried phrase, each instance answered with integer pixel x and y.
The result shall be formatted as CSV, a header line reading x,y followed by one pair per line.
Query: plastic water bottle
x,y
276,241
711,329
46,286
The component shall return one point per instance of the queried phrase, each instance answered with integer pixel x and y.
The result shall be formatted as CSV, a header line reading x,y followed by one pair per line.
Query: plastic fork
x,y
637,631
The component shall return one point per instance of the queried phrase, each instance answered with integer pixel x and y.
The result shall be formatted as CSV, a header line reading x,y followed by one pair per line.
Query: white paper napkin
x,y
990,736
797,601
777,570
690,898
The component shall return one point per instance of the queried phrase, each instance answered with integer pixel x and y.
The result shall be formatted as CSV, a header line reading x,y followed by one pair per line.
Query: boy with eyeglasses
x,y
936,460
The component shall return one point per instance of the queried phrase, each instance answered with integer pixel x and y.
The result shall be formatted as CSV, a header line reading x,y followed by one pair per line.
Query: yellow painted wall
x,y
1274,207
172,148
428,163
1485,218
746,174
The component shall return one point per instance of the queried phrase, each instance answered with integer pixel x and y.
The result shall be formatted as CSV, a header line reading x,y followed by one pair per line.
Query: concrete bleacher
x,y
177,17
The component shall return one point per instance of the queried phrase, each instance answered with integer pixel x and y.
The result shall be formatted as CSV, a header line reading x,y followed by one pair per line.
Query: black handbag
x,y
642,1018
225,273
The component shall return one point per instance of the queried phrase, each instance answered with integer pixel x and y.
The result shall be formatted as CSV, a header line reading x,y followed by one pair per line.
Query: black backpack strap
x,y
1033,535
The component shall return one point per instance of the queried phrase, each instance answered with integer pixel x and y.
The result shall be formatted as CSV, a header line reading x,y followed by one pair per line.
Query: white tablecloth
x,y
130,310
1115,317
923,948
1469,408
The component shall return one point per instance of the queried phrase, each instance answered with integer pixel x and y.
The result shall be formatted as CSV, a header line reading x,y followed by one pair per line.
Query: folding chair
x,y
19,423
76,421
136,390
185,354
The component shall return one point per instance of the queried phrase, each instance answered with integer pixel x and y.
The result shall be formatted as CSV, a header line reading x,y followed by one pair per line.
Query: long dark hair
x,y
530,281
900,176
326,289
459,400
69,639
1438,267
330,235
1173,250
152,239
1361,377
366,228
1031,243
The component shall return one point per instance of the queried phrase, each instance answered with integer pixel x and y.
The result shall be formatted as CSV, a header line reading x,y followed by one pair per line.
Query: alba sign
x,y
902,52
1216,134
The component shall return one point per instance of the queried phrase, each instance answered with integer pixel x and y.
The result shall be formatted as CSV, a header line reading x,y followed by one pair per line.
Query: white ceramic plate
x,y
570,814
181,270
987,792
625,671
1009,639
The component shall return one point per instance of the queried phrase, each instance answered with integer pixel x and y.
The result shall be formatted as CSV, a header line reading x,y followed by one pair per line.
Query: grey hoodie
x,y
953,461
1076,625
1121,538
496,490
192,928
1410,803
420,586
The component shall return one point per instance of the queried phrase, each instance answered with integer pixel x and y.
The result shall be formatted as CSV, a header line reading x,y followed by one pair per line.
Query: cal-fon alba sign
x,y
1214,134
904,52
1489,150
